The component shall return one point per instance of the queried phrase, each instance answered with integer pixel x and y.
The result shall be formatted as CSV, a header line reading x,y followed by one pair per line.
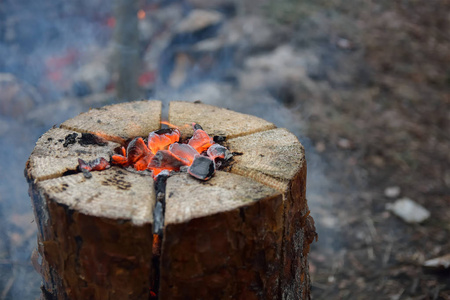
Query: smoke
x,y
58,54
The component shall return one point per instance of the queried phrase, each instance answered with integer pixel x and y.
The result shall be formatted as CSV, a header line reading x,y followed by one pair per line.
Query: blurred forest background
x,y
364,84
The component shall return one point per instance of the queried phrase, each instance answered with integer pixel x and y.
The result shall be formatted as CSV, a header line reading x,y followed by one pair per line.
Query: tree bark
x,y
244,234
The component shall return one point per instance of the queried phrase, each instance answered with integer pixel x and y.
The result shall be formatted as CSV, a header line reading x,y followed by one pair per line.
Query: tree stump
x,y
244,234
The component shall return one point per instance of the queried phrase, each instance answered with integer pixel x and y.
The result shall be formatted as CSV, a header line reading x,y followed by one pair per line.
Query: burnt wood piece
x,y
244,234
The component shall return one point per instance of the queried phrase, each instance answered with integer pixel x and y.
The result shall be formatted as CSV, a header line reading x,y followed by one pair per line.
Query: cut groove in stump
x,y
243,234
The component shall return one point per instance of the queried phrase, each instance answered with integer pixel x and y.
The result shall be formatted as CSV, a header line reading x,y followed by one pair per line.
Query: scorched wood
x,y
242,234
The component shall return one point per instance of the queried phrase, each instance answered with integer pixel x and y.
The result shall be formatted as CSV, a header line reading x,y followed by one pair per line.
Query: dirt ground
x,y
380,117
365,86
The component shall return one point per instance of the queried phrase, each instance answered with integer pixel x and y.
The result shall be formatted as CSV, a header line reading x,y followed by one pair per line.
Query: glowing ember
x,y
165,151
97,164
161,139
156,249
141,14
200,141
218,151
184,151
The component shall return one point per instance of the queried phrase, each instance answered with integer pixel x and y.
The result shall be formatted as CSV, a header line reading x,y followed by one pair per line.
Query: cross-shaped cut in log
x,y
244,234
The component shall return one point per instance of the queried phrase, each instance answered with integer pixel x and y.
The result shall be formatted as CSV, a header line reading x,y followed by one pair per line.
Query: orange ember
x,y
156,249
184,151
98,164
161,139
165,151
200,141
141,14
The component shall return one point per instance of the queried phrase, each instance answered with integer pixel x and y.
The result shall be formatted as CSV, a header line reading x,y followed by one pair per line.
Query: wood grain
x,y
215,120
120,121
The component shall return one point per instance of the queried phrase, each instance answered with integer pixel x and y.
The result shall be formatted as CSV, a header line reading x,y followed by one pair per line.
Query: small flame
x,y
98,164
141,14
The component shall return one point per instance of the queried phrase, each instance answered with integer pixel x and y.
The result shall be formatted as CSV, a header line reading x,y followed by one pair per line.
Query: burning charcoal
x,y
86,174
167,160
70,139
197,126
91,139
123,151
218,151
142,163
200,141
160,183
136,149
219,138
184,151
97,164
119,160
157,171
82,165
202,168
161,139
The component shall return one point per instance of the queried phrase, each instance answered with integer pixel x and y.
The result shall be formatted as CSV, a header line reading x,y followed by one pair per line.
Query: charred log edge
x,y
86,139
70,139
70,172
107,137
91,139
